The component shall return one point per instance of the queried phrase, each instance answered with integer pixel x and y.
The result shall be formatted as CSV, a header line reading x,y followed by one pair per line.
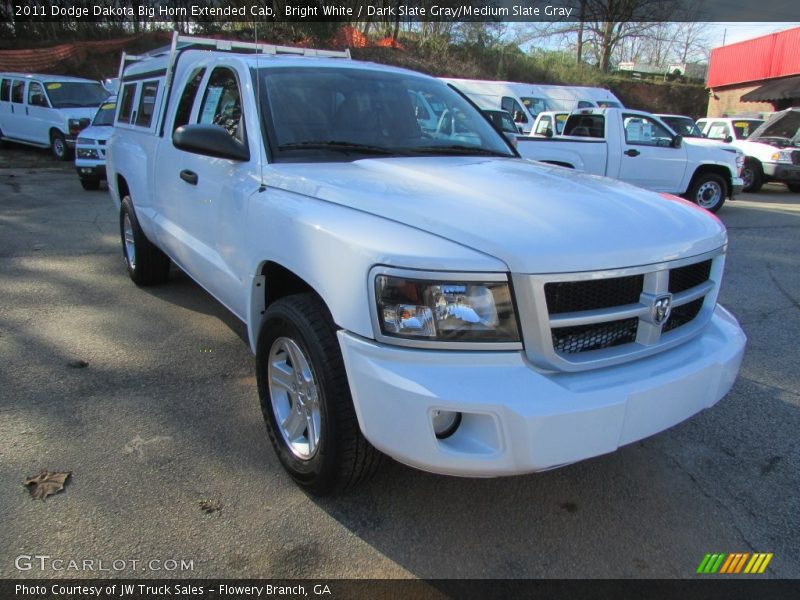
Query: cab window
x,y
512,106
222,104
643,131
36,95
718,131
543,126
184,111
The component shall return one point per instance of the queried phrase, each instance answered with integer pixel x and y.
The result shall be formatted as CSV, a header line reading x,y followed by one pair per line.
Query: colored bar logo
x,y
738,562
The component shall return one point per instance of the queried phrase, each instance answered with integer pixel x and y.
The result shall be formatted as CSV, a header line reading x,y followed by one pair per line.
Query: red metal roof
x,y
765,57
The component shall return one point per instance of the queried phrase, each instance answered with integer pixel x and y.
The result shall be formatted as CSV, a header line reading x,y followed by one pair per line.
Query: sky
x,y
729,33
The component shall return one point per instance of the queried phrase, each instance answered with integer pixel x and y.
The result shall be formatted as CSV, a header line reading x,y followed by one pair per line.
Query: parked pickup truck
x,y
638,148
772,148
423,294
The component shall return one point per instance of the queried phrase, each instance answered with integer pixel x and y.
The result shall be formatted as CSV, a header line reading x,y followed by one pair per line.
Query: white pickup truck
x,y
425,295
772,150
636,147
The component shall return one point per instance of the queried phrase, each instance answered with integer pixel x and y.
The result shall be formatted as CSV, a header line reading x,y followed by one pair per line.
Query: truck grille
x,y
607,317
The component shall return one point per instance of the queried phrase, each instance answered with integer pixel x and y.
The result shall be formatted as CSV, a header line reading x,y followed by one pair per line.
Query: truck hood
x,y
536,218
97,132
79,112
761,150
702,148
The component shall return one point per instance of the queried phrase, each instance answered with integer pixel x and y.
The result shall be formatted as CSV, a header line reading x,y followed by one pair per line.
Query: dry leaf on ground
x,y
210,506
46,483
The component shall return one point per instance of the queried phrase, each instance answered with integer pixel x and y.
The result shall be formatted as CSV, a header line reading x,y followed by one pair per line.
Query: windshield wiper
x,y
460,149
339,146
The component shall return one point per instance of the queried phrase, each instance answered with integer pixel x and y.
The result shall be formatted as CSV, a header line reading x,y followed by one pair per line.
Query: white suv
x,y
424,294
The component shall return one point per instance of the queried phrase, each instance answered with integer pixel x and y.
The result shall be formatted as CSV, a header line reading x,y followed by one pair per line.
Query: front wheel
x,y
58,145
305,398
794,187
709,191
752,176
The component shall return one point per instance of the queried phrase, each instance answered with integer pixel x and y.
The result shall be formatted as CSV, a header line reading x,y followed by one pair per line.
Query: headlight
x,y
87,153
466,311
784,156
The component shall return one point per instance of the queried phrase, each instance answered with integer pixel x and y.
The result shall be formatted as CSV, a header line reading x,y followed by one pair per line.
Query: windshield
x,y
105,114
608,104
69,94
683,126
334,114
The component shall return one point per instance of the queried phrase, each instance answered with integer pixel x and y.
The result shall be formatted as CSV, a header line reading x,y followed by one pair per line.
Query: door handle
x,y
189,176
632,152
26,110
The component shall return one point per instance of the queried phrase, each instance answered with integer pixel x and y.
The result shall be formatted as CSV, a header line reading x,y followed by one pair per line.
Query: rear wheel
x,y
752,176
147,265
305,398
708,190
58,145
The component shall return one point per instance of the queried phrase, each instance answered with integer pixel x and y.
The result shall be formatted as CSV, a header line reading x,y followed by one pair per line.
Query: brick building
x,y
761,75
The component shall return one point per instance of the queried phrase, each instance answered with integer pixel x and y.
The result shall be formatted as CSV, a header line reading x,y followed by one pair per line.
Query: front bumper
x,y
738,186
782,172
517,419
91,171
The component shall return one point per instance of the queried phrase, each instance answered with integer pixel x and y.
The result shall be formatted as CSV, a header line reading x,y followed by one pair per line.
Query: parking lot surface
x,y
148,397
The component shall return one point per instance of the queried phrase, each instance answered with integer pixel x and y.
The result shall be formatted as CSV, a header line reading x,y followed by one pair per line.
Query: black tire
x,y
147,265
752,175
58,146
794,187
90,184
708,190
342,457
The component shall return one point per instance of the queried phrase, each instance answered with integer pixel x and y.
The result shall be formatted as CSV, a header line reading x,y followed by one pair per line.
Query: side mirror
x,y
677,141
548,132
728,139
210,140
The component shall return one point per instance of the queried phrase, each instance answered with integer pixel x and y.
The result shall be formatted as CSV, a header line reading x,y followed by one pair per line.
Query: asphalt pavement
x,y
148,397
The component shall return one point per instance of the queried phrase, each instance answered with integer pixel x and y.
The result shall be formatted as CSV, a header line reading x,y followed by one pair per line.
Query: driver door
x,y
648,158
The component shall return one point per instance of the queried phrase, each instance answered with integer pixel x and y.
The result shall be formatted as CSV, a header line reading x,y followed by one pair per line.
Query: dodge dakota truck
x,y
426,295
636,147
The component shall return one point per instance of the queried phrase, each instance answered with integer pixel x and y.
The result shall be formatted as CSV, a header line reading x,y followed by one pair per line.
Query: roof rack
x,y
193,42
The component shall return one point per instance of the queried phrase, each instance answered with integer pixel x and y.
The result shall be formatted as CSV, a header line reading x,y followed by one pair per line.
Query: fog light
x,y
445,423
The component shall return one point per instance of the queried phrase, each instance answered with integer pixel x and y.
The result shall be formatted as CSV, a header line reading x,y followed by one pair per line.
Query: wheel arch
x,y
705,169
272,282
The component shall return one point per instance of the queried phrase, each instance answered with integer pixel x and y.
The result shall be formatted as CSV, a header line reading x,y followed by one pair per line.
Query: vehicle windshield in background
x,y
105,114
683,126
70,94
608,104
338,113
781,130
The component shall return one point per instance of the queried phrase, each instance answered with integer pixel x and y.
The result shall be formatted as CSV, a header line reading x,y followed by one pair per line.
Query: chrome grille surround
x,y
650,338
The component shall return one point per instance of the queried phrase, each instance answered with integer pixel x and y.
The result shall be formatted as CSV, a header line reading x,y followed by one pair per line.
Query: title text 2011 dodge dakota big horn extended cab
x,y
425,295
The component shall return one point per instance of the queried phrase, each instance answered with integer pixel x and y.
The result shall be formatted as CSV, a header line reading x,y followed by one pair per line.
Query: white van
x,y
570,98
522,100
47,111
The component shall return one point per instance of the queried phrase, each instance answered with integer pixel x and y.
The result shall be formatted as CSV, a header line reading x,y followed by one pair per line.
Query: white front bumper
x,y
517,419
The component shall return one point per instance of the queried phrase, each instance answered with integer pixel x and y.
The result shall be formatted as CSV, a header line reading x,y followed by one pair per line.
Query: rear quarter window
x,y
147,104
126,104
